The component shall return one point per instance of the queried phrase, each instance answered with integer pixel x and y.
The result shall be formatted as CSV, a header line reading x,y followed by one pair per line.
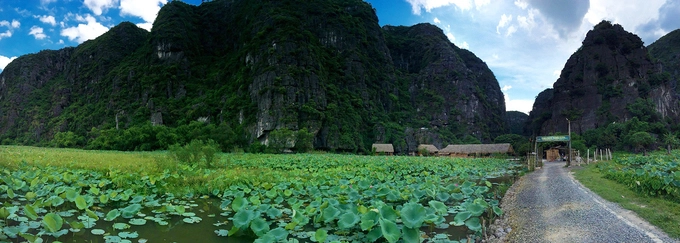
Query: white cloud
x,y
5,34
47,19
428,5
521,4
527,22
145,9
45,2
146,26
5,60
12,25
511,30
505,19
506,88
480,3
436,21
37,32
557,73
60,41
99,6
464,45
90,30
521,105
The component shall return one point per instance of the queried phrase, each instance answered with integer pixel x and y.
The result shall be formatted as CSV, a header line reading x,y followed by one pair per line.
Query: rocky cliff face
x,y
610,71
260,66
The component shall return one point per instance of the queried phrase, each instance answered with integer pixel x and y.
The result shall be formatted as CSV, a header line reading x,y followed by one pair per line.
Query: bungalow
x,y
381,148
476,150
429,148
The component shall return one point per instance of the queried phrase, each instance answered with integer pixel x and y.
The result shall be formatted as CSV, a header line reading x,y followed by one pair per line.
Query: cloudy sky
x,y
524,42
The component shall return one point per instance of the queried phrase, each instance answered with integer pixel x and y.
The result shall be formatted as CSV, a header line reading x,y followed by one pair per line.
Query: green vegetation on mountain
x,y
238,71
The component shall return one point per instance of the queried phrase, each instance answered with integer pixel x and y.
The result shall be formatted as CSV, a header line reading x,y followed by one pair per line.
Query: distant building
x,y
381,148
476,150
431,149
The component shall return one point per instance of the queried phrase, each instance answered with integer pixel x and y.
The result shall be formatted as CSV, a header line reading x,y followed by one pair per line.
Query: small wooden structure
x,y
431,149
382,148
553,154
476,150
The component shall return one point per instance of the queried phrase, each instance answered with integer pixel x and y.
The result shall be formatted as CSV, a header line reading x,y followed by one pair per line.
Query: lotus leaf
x,y
439,207
413,215
112,239
128,235
387,212
242,218
29,211
411,235
475,209
320,235
80,202
259,226
330,213
274,213
52,222
498,211
97,231
473,224
111,215
374,234
278,234
222,232
131,210
389,230
121,226
348,220
137,221
238,204
460,218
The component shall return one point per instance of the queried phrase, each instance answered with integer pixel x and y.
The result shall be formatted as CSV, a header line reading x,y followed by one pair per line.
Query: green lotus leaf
x,y
112,239
71,194
348,220
274,213
460,218
29,237
374,234
103,198
137,221
76,224
279,234
52,222
443,196
80,202
131,210
94,190
389,230
4,213
29,211
121,226
255,200
55,201
439,206
411,235
330,213
179,209
387,212
128,235
111,215
475,209
467,191
287,193
91,214
457,196
265,239
30,195
10,193
97,231
320,235
238,204
473,224
259,226
242,218
498,211
413,215
222,232
271,193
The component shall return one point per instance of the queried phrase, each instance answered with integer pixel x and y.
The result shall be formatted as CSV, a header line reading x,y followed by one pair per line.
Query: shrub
x,y
195,152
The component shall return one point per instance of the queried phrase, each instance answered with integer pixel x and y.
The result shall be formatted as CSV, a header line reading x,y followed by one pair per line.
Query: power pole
x,y
569,161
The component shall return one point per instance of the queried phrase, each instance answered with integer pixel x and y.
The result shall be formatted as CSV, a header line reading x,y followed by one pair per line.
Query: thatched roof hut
x,y
387,149
477,149
431,149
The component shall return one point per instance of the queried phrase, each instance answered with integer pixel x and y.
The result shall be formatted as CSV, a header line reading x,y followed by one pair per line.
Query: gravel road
x,y
549,205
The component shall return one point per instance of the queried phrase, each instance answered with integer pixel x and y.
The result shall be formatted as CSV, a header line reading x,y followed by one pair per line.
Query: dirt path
x,y
549,205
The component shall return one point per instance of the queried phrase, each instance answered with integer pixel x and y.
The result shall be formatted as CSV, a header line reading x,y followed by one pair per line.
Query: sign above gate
x,y
563,138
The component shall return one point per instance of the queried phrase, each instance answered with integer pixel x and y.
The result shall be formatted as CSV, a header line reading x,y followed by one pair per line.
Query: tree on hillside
x,y
641,140
671,141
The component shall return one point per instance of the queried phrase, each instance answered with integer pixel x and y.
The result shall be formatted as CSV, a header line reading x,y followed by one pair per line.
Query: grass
x,y
662,213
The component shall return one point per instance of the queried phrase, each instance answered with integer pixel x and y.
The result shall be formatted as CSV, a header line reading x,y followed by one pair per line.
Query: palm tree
x,y
670,140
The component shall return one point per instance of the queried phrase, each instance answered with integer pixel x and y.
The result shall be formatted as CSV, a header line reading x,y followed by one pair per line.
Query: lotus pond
x,y
67,195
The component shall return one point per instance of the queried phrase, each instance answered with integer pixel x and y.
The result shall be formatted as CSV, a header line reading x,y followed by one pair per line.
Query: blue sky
x,y
524,42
